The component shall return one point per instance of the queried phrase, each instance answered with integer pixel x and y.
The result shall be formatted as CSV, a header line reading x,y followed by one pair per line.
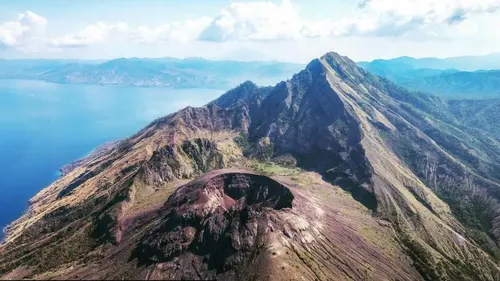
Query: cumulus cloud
x,y
265,21
26,31
258,21
397,17
173,32
248,21
92,34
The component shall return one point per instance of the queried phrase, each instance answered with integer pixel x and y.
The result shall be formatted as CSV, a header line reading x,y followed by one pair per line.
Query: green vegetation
x,y
478,84
263,150
423,260
273,169
261,158
242,141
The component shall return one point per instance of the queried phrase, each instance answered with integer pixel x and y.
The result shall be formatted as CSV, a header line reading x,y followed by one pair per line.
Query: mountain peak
x,y
343,66
242,93
333,55
335,59
315,66
248,84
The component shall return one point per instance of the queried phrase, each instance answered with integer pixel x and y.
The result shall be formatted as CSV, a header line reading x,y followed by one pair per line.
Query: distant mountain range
x,y
465,63
461,77
145,72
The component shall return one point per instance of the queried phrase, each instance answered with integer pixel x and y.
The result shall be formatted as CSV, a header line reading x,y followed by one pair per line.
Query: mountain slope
x,y
477,84
367,181
480,114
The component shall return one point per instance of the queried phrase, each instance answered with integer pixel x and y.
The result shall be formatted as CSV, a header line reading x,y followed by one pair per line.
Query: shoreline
x,y
95,153
63,171
145,86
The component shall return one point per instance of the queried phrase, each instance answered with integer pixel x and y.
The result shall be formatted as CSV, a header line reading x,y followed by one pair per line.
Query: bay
x,y
44,126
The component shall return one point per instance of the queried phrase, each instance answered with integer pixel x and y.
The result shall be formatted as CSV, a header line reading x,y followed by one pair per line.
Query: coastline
x,y
95,153
134,85
63,171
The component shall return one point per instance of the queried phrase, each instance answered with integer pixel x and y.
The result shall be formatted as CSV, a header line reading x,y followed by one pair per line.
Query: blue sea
x,y
44,126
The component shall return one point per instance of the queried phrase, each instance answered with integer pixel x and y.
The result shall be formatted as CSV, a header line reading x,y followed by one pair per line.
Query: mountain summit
x,y
335,174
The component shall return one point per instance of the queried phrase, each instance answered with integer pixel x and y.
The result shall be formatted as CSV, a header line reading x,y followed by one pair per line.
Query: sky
x,y
282,30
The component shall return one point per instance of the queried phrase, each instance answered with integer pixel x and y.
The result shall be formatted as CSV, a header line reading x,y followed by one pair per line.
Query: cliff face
x,y
379,184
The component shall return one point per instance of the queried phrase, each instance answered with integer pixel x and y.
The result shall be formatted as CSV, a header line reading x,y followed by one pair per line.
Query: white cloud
x,y
267,21
249,21
255,21
92,34
278,28
25,32
398,17
173,32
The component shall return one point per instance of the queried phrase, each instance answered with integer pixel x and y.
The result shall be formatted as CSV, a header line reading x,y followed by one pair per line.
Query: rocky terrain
x,y
335,174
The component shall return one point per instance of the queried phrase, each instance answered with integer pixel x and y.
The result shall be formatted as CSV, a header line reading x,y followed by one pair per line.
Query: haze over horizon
x,y
287,30
98,60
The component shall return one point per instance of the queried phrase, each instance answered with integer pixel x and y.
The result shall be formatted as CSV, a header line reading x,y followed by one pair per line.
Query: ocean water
x,y
44,126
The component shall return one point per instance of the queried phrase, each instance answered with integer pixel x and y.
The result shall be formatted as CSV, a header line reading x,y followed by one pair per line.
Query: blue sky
x,y
285,30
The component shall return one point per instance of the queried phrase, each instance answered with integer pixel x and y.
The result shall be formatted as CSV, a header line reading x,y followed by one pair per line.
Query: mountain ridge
x,y
377,173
